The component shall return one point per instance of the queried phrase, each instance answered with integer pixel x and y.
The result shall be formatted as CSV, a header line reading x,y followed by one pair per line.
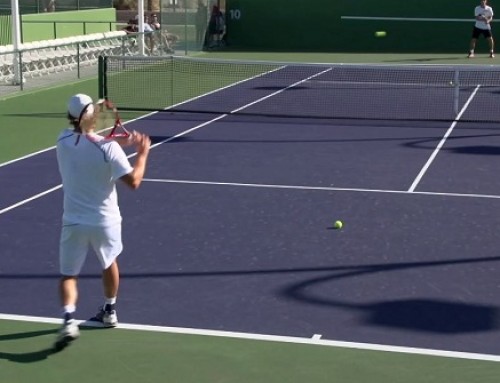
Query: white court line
x,y
153,113
442,142
26,156
296,187
32,198
171,138
239,109
242,107
53,147
321,188
282,90
274,338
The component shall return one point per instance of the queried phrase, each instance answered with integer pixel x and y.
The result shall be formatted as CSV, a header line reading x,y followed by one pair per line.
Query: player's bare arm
x,y
134,178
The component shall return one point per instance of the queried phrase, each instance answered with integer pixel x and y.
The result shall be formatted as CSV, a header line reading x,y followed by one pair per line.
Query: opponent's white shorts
x,y
76,241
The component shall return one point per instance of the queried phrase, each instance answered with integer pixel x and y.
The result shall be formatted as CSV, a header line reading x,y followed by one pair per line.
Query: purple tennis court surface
x,y
232,230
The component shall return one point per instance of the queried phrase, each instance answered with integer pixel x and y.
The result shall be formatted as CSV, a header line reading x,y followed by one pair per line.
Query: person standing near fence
x,y
216,27
51,6
201,23
166,40
484,15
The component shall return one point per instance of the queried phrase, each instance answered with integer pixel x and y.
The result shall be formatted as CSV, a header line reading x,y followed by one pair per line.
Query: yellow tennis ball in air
x,y
338,224
380,34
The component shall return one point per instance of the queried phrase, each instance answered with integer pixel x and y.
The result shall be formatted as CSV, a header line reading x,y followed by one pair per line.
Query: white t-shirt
x,y
89,166
486,11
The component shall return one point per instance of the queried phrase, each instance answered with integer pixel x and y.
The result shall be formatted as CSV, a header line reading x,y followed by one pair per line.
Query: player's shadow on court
x,y
26,357
425,315
40,355
436,316
482,150
425,59
417,314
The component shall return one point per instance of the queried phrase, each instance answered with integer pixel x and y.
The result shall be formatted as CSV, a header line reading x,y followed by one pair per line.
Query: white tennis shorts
x,y
77,240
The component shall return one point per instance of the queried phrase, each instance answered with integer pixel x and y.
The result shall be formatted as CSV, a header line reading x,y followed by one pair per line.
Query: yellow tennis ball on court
x,y
380,34
338,224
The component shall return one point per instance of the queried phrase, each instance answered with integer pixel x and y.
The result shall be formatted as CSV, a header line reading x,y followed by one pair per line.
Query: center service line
x,y
441,143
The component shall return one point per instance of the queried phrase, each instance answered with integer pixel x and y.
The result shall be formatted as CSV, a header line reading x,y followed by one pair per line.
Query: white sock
x,y
70,309
110,301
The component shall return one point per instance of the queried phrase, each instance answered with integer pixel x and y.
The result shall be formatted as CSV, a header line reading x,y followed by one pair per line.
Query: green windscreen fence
x,y
5,30
350,26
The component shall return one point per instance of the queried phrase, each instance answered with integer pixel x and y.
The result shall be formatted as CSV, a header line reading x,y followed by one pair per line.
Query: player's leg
x,y
68,291
69,330
472,46
150,42
107,244
491,44
111,280
72,253
166,44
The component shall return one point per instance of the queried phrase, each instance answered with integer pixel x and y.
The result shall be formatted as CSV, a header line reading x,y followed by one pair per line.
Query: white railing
x,y
40,58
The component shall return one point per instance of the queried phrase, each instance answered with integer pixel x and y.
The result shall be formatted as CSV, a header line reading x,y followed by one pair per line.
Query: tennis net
x,y
327,91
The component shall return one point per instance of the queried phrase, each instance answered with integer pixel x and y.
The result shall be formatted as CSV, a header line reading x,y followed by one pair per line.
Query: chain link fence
x,y
184,24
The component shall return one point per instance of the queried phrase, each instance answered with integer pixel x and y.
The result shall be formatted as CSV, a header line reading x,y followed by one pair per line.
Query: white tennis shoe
x,y
107,317
67,334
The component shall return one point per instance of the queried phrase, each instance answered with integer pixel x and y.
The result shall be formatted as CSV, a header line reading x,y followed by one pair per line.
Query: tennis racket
x,y
108,118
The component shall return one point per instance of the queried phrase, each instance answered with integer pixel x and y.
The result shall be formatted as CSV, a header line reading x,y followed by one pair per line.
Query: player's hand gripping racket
x,y
108,118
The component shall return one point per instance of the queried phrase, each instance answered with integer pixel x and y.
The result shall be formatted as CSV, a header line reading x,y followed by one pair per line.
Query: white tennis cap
x,y
77,103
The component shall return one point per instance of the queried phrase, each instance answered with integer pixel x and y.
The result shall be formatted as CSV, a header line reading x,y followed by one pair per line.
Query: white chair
x,y
68,48
45,54
29,59
80,46
60,53
52,54
6,61
5,55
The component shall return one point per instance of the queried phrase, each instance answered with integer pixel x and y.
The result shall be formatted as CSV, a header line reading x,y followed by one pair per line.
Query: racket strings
x,y
108,118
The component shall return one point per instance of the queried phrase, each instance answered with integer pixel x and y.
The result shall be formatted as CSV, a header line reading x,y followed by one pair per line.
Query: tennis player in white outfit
x,y
484,15
90,165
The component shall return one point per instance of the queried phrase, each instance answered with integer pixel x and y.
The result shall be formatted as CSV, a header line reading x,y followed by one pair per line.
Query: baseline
x,y
314,340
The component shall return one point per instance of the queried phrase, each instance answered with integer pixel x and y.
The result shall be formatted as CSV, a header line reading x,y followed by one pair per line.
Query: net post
x,y
102,78
172,72
456,92
185,30
78,60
